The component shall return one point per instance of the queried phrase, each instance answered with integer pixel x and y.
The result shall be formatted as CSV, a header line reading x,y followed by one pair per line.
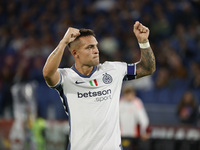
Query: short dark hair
x,y
84,32
128,89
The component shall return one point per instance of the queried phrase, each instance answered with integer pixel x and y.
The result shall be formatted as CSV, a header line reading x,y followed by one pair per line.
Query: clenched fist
x,y
71,35
141,32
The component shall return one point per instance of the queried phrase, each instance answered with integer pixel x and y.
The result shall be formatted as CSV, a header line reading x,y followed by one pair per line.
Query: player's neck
x,y
86,70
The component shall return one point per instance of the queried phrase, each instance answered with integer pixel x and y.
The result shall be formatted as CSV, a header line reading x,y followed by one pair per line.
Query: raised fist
x,y
71,35
141,32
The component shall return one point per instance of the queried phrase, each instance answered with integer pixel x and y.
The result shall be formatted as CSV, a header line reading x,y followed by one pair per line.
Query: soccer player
x,y
90,91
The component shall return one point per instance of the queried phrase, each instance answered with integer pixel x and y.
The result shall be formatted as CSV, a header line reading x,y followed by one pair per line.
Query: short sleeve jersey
x,y
92,104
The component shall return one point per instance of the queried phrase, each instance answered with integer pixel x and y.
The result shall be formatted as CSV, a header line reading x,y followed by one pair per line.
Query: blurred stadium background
x,y
31,29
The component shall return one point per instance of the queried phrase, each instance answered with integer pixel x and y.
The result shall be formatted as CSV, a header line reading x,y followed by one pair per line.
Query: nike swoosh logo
x,y
79,82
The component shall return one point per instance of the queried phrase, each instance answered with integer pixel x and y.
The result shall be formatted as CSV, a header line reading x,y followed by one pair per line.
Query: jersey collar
x,y
82,75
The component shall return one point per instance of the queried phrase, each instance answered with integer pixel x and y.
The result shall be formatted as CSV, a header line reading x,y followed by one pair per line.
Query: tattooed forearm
x,y
146,65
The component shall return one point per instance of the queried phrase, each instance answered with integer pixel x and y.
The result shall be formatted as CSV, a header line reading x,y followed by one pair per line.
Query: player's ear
x,y
74,53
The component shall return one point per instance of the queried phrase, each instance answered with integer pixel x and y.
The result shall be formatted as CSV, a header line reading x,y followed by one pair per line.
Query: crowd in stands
x,y
31,29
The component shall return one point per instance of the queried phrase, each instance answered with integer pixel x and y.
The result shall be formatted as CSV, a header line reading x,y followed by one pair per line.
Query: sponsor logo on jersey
x,y
98,95
93,94
107,79
93,82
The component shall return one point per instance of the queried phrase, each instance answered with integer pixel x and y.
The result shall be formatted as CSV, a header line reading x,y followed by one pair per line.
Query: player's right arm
x,y
50,73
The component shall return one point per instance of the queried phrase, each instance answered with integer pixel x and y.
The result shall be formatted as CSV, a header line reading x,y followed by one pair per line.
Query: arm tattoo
x,y
146,65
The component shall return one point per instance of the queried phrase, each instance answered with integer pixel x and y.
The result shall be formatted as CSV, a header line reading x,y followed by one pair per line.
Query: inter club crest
x,y
107,79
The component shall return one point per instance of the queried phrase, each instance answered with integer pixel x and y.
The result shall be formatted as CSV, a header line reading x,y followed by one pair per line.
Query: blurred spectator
x,y
160,27
133,117
6,81
162,79
36,71
178,70
195,84
39,127
22,71
109,45
104,4
56,135
24,114
188,109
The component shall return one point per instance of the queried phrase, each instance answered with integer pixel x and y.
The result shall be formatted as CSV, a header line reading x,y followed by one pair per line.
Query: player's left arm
x,y
146,65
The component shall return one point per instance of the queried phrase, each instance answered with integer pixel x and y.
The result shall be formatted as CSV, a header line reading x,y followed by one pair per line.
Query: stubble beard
x,y
95,63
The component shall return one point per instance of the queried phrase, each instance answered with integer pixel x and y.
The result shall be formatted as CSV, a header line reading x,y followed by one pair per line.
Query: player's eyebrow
x,y
92,45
